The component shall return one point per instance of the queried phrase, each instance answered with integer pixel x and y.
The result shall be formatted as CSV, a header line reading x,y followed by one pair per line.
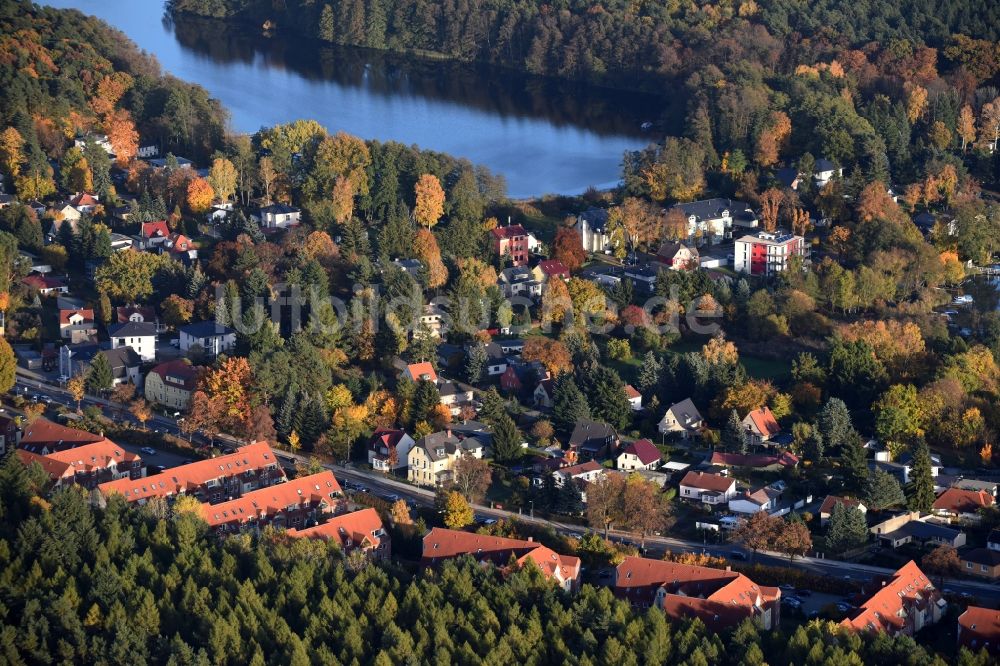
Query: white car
x,y
148,450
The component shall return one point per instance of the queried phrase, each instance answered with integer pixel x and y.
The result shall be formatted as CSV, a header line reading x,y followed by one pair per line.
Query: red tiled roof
x,y
83,199
764,421
957,500
54,468
42,432
181,243
157,229
978,628
908,587
508,231
193,475
631,393
41,282
719,597
86,313
315,489
124,312
785,459
418,370
178,369
350,530
582,468
440,544
833,500
703,481
97,455
387,437
644,450
553,267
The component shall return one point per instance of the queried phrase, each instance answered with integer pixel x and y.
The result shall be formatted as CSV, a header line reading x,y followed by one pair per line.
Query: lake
x,y
544,136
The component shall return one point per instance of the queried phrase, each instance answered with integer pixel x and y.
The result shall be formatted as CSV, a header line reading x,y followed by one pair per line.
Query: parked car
x,y
148,450
738,555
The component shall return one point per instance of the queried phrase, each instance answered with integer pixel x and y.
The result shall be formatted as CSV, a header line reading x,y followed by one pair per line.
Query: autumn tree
x,y
605,502
792,538
556,302
177,310
268,175
77,387
429,200
567,247
8,366
457,512
425,247
967,126
199,195
943,561
229,386
123,136
222,177
11,152
773,138
644,506
989,120
471,476
127,276
342,198
551,353
916,102
770,204
678,172
142,411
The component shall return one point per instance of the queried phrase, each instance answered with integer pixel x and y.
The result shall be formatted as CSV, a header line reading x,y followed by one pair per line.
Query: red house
x,y
511,240
766,252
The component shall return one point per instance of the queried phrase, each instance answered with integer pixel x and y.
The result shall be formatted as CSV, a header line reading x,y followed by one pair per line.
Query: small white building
x,y
711,489
279,216
764,499
641,454
212,337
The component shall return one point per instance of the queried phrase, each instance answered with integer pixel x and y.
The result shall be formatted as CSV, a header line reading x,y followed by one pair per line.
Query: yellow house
x,y
170,384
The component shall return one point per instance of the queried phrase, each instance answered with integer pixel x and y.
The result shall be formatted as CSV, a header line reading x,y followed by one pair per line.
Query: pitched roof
x,y
350,530
193,475
685,412
315,489
704,481
590,434
154,229
41,282
86,313
553,267
582,468
132,329
387,437
55,469
279,208
908,587
833,500
42,432
422,370
631,393
644,450
83,199
669,249
123,313
785,459
204,329
178,373
957,500
440,543
979,628
719,597
988,556
442,440
508,231
763,421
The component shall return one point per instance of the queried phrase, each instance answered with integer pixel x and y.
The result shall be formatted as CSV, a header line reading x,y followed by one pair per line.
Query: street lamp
x,y
532,502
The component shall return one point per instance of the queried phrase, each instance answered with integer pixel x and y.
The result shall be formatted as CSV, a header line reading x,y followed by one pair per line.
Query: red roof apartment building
x,y
766,252
721,598
511,240
249,468
979,628
356,531
88,465
296,503
442,544
43,437
904,604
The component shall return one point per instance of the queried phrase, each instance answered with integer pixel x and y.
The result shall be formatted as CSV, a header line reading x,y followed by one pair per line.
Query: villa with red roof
x,y
356,531
387,444
711,489
302,501
88,465
962,504
153,234
979,628
417,371
721,598
249,468
77,325
511,241
45,285
904,604
761,425
442,544
84,202
550,268
640,454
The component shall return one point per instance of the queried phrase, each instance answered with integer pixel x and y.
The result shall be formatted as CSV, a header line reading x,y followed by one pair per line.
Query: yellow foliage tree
x,y
199,196
429,200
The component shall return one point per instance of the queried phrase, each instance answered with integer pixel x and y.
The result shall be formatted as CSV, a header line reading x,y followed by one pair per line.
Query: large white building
x,y
767,252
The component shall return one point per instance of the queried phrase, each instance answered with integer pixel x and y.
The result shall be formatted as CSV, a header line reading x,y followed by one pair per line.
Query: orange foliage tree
x,y
199,195
770,204
772,139
429,200
567,247
122,135
426,248
229,388
553,354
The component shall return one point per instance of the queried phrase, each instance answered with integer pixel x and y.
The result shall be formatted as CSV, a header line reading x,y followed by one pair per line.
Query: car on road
x,y
844,607
575,535
738,555
490,521
148,450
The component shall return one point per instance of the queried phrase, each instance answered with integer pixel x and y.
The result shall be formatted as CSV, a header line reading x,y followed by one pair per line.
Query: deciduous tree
x,y
429,200
605,502
457,512
199,196
568,248
471,476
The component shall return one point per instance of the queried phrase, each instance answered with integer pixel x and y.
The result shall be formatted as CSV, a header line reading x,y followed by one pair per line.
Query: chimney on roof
x,y
531,538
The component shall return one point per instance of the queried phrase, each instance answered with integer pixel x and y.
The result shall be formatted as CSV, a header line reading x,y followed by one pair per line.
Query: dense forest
x,y
622,43
148,586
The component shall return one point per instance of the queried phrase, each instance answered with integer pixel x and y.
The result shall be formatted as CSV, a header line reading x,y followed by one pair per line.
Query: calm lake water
x,y
544,136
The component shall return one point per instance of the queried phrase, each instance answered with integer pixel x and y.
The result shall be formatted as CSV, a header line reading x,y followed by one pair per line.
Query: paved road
x,y
985,592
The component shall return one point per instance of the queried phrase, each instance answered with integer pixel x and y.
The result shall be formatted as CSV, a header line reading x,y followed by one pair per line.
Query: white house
x,y
383,444
715,218
212,337
681,417
763,499
589,471
634,398
592,227
279,216
638,455
140,336
824,171
711,489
